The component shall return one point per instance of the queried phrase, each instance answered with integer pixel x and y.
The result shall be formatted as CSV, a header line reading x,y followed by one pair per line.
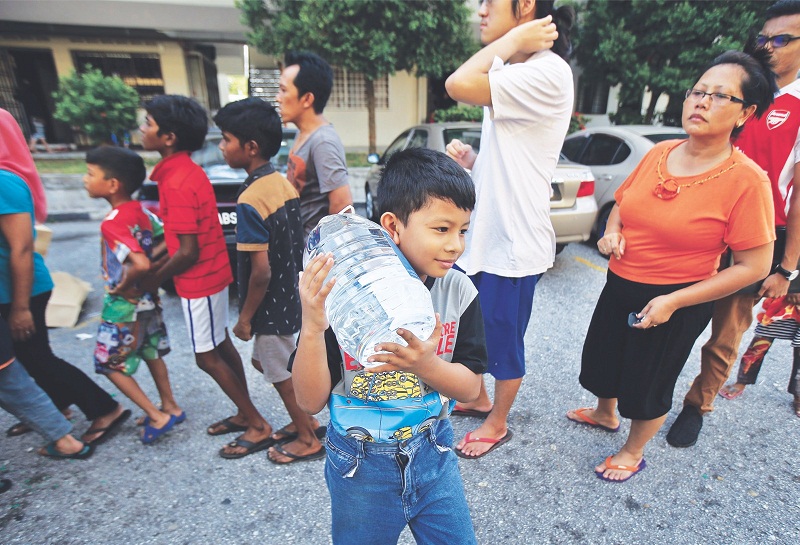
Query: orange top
x,y
672,241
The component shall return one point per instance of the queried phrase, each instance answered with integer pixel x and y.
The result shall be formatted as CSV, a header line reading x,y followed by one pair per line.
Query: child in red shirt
x,y
198,261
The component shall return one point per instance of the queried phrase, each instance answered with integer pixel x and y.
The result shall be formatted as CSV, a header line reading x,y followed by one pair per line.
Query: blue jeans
x,y
23,398
378,488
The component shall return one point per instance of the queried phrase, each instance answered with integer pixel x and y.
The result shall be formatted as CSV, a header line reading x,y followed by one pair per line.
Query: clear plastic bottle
x,y
376,290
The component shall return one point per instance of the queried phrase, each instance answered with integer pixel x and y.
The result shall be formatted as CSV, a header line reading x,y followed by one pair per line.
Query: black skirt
x,y
639,367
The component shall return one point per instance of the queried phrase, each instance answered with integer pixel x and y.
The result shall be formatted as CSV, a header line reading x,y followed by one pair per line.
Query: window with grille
x,y
349,92
142,71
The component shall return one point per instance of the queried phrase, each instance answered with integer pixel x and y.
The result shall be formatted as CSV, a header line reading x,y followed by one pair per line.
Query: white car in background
x,y
612,153
572,205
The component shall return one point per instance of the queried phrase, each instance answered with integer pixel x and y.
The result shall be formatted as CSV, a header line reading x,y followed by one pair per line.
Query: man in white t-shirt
x,y
526,88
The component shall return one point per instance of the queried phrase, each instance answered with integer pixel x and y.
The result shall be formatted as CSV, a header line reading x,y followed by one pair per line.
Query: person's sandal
x,y
796,405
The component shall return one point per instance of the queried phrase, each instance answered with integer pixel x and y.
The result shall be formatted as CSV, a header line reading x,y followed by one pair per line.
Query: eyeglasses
x,y
781,40
717,99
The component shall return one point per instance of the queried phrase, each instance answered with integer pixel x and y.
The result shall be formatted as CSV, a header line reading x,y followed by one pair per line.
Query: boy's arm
x,y
136,266
310,375
453,380
257,284
470,82
187,255
339,199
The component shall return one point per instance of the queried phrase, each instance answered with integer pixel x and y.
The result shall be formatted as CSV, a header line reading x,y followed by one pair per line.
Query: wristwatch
x,y
788,275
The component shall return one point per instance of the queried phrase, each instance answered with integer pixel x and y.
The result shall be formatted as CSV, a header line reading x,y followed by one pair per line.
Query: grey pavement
x,y
739,484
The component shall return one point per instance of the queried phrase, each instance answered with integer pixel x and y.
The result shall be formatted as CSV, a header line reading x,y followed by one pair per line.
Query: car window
x,y
573,147
601,150
210,154
656,138
398,144
418,140
468,136
623,152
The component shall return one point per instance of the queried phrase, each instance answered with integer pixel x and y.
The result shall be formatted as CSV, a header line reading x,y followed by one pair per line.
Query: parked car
x,y
224,179
572,205
612,153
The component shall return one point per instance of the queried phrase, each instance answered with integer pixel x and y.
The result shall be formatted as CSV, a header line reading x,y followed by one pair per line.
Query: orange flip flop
x,y
494,442
588,421
633,469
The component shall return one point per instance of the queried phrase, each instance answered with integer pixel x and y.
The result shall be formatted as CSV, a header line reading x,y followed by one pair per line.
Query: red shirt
x,y
188,207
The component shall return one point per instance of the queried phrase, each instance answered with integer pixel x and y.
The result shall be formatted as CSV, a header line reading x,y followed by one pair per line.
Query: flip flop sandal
x,y
633,469
150,434
20,428
289,436
296,458
226,427
587,421
460,411
251,447
494,442
52,452
145,420
728,395
109,430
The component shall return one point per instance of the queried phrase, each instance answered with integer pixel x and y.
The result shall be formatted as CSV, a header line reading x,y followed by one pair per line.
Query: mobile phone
x,y
633,319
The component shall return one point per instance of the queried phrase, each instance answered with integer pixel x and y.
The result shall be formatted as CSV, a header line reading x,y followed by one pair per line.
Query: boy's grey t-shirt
x,y
315,169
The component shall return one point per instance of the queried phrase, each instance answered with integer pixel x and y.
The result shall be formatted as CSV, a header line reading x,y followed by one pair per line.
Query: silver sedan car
x,y
572,205
612,153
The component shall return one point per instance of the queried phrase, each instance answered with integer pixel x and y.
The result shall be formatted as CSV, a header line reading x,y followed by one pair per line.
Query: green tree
x,y
658,45
98,105
375,39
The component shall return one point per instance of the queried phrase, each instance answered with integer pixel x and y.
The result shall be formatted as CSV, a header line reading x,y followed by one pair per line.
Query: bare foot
x,y
732,391
621,458
477,448
796,406
295,448
231,424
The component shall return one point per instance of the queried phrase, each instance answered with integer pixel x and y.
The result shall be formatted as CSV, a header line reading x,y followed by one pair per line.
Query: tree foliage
x,y
659,45
98,105
372,38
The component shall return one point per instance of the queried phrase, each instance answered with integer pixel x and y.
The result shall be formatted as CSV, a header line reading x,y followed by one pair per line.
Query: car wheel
x,y
369,204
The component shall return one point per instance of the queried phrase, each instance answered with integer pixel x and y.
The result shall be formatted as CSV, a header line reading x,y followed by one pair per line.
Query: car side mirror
x,y
373,158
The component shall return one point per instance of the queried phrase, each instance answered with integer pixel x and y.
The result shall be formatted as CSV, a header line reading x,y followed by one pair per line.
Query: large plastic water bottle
x,y
376,290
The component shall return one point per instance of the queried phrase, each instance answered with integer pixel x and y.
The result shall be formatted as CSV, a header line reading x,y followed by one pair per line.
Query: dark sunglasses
x,y
781,40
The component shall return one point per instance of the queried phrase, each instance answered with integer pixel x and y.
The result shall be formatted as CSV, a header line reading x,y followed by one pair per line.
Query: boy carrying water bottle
x,y
391,464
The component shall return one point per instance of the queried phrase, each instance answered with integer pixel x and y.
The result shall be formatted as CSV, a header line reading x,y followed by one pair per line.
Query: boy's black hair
x,y
121,163
315,76
252,119
782,8
758,85
412,177
182,116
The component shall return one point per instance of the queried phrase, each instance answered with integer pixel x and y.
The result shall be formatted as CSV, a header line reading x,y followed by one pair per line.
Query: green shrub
x,y
576,123
459,113
97,105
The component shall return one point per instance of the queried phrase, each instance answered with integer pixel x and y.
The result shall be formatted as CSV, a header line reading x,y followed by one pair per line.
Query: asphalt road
x,y
739,484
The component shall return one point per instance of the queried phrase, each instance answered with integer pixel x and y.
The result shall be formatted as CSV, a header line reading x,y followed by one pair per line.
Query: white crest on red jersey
x,y
776,118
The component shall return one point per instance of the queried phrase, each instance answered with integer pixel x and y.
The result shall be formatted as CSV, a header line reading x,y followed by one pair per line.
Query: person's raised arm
x,y
310,375
18,231
470,82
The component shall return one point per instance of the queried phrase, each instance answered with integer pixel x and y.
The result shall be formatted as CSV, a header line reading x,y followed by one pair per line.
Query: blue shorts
x,y
506,304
